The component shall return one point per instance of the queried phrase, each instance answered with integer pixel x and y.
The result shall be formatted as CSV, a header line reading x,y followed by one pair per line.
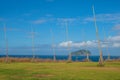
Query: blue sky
x,y
45,15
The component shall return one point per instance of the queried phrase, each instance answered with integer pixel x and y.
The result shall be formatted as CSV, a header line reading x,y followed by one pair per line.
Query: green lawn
x,y
60,71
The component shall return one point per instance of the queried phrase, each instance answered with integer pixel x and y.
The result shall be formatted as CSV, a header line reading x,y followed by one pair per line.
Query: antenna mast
x,y
107,45
69,58
33,46
6,41
54,57
97,35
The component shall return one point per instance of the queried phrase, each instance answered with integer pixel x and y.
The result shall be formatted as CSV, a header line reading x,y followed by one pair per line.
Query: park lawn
x,y
60,71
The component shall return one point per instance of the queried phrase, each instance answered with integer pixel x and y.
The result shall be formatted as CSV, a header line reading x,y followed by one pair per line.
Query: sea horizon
x,y
94,58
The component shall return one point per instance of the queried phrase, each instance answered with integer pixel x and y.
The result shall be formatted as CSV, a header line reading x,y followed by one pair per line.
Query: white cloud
x,y
92,43
116,27
116,44
62,21
70,21
65,44
78,44
109,18
110,42
114,18
66,19
114,38
40,21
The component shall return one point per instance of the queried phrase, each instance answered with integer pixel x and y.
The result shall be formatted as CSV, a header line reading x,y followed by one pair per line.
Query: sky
x,y
46,20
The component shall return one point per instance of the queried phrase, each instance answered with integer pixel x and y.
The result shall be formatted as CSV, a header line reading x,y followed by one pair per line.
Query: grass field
x,y
60,71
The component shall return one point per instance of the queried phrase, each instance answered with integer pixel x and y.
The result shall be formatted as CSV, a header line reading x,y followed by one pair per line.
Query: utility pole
x,y
33,45
70,55
6,41
87,54
108,58
97,35
54,54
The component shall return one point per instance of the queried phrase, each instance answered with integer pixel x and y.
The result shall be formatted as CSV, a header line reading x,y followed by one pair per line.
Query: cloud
x,y
117,27
58,21
39,21
78,44
48,15
14,29
110,42
2,19
108,18
32,34
114,38
66,19
71,21
11,29
116,44
114,18
65,44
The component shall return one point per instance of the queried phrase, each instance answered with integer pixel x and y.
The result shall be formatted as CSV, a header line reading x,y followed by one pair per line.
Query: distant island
x,y
81,52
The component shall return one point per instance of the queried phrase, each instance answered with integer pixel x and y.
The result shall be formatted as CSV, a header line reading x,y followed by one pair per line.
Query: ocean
x,y
63,57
